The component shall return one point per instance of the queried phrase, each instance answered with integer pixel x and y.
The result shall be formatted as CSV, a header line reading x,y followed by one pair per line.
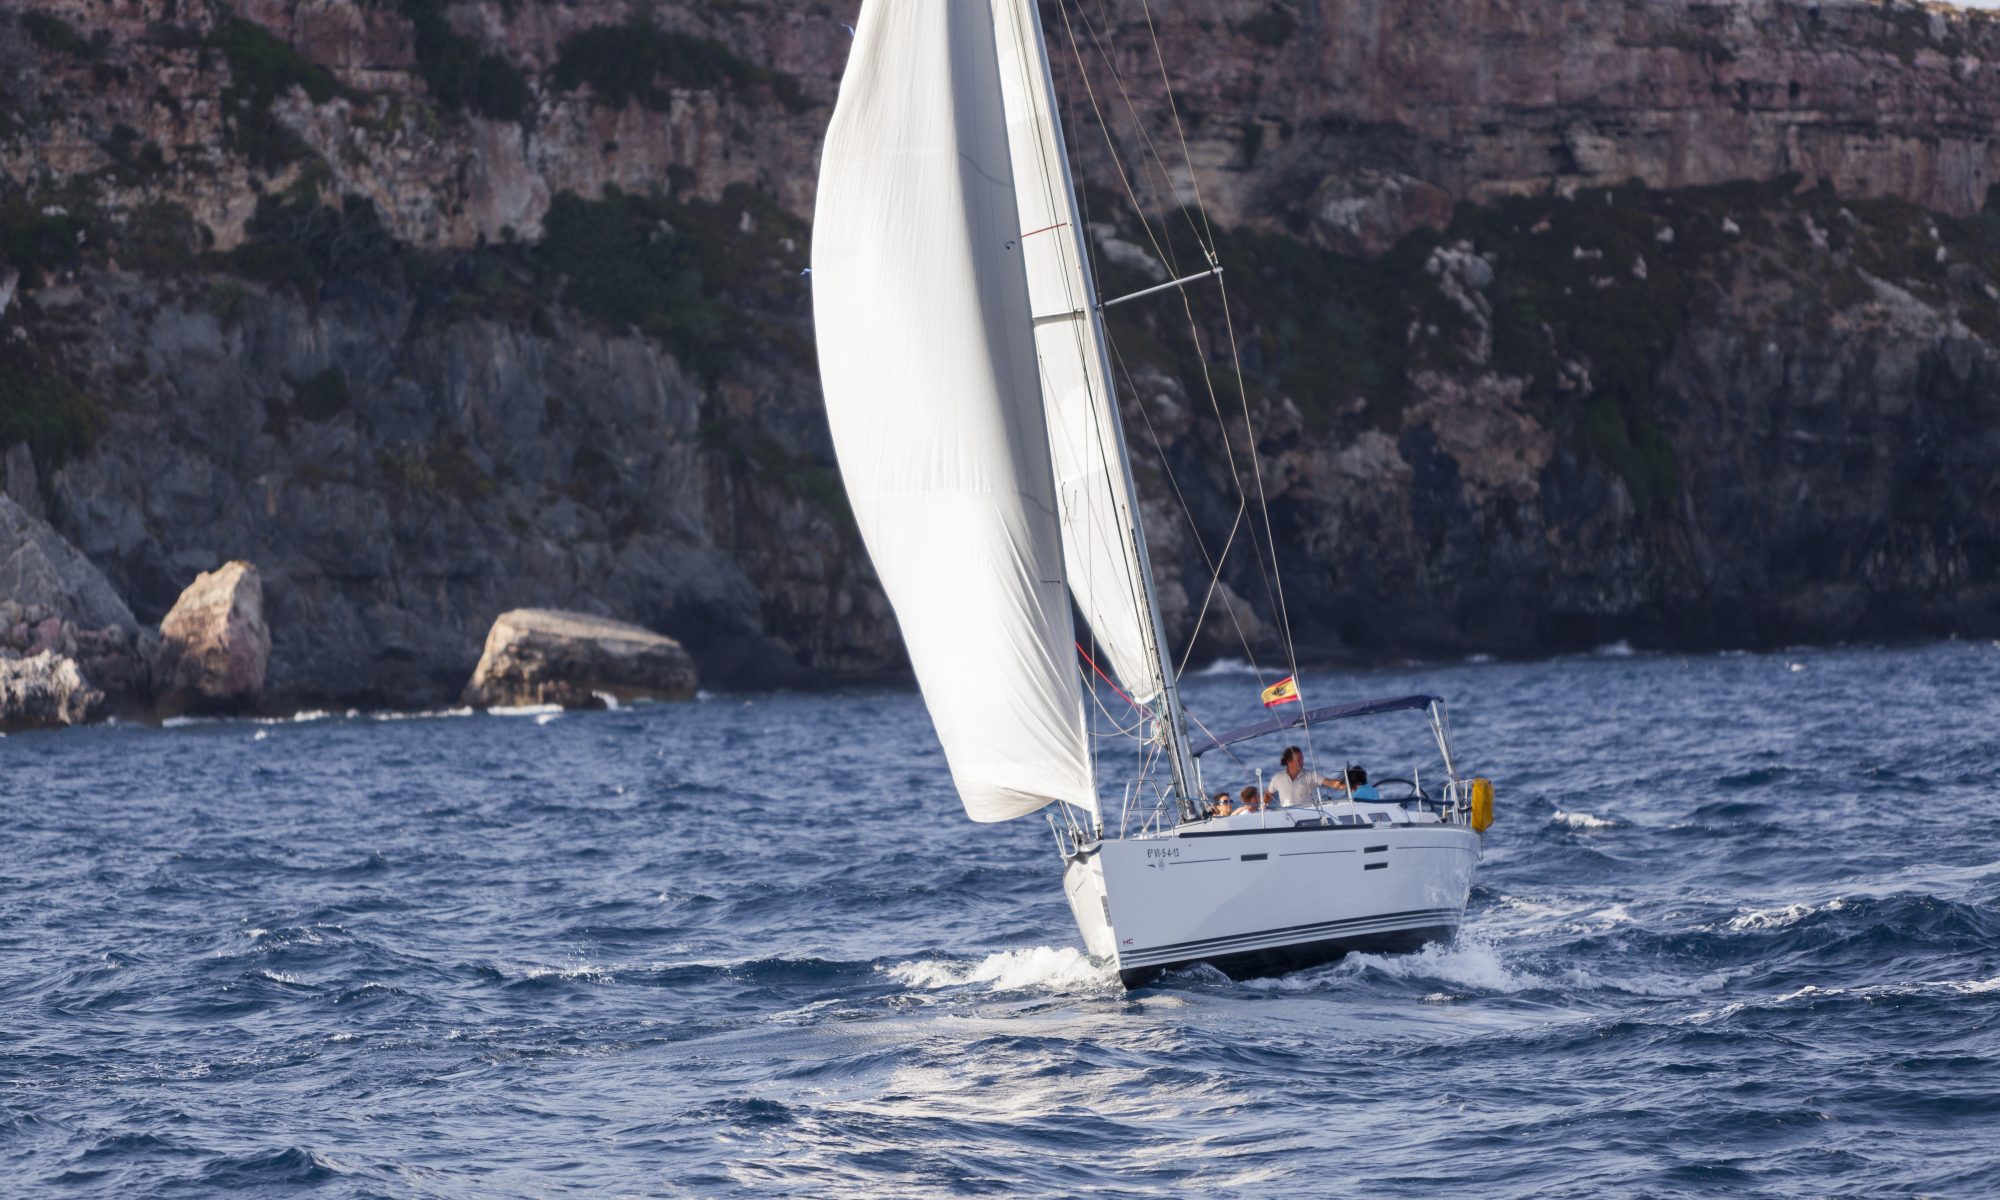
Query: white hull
x,y
1256,897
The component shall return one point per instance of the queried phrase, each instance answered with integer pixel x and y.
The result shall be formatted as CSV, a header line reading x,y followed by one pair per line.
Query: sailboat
x,y
968,388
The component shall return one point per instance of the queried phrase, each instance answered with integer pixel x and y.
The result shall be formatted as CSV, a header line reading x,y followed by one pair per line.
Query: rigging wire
x,y
1194,331
1187,305
1214,562
1270,573
1236,364
1207,244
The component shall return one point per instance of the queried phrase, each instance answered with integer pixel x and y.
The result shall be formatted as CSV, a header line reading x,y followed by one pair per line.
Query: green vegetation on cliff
x,y
638,61
458,73
263,67
1589,296
56,35
695,274
42,408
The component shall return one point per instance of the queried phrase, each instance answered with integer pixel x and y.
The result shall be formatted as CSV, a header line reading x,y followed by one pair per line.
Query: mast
x,y
1171,718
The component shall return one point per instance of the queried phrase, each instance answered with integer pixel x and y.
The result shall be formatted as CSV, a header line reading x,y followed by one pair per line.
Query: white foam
x,y
261,735
1618,649
573,973
420,715
311,714
1582,820
610,701
1616,914
1954,987
1469,963
184,722
523,710
1049,968
545,718
1778,918
1795,666
1228,666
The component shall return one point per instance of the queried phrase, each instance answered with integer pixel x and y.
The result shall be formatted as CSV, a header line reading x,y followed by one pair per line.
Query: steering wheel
x,y
1414,792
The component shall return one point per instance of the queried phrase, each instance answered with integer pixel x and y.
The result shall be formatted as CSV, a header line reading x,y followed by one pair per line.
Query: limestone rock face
x,y
545,656
45,691
54,600
214,645
41,571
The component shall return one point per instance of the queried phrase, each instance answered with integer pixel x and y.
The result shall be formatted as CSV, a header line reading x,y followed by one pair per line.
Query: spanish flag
x,y
1282,692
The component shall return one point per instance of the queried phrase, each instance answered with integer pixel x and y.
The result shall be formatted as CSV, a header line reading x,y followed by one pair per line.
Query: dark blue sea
x,y
1737,931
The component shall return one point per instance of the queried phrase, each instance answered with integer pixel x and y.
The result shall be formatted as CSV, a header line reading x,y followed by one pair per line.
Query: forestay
x,y
1101,546
927,359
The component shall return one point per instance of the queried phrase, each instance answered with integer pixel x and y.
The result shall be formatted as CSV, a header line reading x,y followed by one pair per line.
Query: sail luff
x,y
1104,546
933,398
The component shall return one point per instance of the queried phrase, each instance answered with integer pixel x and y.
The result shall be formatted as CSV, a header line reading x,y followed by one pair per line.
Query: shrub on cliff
x,y
298,242
262,67
39,234
458,73
622,267
699,275
42,408
640,61
56,35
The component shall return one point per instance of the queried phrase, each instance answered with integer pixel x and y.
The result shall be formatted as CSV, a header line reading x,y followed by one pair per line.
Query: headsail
x,y
1101,545
1104,546
927,361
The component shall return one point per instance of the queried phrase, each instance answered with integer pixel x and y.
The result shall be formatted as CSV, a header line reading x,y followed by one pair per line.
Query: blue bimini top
x,y
1332,712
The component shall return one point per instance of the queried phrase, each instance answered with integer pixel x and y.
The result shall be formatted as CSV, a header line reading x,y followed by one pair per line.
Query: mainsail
x,y
927,359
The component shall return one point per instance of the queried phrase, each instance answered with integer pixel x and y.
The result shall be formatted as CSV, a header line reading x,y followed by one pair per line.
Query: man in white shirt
x,y
1293,787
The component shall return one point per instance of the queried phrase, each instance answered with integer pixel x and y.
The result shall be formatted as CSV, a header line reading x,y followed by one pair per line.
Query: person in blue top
x,y
1355,784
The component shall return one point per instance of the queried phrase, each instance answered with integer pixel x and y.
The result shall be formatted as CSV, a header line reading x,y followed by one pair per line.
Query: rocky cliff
x,y
1561,321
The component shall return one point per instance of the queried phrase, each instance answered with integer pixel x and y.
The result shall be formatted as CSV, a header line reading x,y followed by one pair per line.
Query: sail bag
x,y
927,360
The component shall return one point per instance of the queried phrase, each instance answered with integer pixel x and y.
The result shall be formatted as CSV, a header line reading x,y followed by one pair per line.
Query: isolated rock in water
x,y
214,645
45,691
543,656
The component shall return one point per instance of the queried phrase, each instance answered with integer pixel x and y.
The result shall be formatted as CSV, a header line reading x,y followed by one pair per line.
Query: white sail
x,y
1101,544
927,361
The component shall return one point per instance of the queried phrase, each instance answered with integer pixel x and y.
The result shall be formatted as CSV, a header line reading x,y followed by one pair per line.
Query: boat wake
x,y
1470,965
1037,968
